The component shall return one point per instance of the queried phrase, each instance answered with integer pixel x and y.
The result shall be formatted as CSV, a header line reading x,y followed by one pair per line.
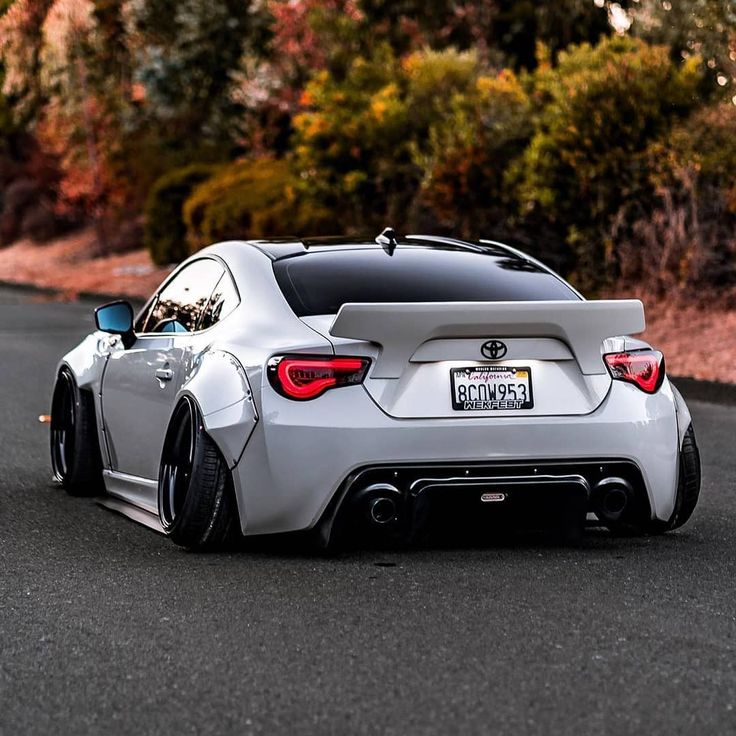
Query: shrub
x,y
707,141
601,107
17,198
250,199
684,239
39,223
423,139
164,232
468,150
352,141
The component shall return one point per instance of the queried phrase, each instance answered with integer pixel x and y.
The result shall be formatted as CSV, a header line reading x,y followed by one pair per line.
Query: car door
x,y
140,384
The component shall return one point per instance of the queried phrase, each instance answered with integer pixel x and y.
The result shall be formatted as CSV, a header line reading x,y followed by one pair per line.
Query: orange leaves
x,y
20,40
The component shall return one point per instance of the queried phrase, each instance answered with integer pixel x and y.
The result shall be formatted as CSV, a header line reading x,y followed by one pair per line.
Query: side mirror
x,y
117,319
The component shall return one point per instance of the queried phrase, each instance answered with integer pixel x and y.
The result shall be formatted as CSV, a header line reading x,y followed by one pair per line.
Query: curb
x,y
99,297
712,392
29,288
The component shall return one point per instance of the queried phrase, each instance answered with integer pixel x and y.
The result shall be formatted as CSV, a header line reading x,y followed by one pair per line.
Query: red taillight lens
x,y
643,368
306,377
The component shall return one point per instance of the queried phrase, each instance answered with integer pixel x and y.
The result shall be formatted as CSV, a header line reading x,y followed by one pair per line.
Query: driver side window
x,y
179,306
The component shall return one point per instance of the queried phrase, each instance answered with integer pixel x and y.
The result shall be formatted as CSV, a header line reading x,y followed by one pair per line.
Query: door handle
x,y
164,374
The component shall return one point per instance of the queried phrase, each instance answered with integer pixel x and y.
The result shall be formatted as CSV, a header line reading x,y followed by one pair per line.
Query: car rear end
x,y
466,385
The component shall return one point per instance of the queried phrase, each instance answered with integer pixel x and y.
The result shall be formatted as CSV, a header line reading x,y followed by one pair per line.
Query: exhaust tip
x,y
383,510
379,504
611,498
615,501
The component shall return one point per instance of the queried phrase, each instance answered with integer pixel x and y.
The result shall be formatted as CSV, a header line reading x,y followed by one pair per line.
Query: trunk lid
x,y
553,350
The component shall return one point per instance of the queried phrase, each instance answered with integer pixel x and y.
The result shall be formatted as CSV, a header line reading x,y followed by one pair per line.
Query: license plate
x,y
491,388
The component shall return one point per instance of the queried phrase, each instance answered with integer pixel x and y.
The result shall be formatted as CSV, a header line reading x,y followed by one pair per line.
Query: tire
x,y
74,443
195,497
688,488
688,484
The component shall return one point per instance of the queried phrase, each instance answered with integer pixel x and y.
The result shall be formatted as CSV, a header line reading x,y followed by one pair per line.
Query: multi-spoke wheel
x,y
176,465
62,427
195,498
75,450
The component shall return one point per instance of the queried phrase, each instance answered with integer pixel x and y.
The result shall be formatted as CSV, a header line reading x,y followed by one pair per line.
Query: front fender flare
x,y
87,361
219,385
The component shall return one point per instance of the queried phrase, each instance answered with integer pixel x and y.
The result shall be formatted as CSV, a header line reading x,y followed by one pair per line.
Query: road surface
x,y
105,627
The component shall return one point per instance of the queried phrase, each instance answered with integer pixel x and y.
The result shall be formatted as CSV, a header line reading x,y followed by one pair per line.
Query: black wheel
x,y
195,498
75,449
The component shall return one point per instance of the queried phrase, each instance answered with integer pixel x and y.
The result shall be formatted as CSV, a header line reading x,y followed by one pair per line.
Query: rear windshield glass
x,y
321,282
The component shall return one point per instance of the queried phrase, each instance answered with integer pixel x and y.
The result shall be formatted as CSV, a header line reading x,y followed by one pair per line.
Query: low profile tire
x,y
75,449
688,485
195,498
688,490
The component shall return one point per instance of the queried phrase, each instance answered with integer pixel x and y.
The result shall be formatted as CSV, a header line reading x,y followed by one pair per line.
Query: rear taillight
x,y
306,377
643,368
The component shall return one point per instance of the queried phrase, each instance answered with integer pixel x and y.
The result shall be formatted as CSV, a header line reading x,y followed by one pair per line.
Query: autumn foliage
x,y
599,135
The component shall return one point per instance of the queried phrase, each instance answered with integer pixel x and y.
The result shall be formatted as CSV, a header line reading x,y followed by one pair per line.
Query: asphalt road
x,y
105,627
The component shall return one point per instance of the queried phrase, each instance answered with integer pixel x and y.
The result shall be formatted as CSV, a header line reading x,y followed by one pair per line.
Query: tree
x,y
702,28
186,53
472,143
351,141
252,198
20,48
424,139
119,91
317,34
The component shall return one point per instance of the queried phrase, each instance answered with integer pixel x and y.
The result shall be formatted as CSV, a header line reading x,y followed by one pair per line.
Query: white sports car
x,y
359,388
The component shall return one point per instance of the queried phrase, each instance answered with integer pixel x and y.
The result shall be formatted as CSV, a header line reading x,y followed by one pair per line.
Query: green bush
x,y
421,140
469,148
250,199
707,141
352,141
600,108
164,231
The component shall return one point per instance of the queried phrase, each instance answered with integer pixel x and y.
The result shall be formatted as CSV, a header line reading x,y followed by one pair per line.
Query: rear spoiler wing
x,y
400,328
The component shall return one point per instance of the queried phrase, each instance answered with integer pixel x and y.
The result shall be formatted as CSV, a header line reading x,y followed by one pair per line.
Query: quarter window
x,y
223,300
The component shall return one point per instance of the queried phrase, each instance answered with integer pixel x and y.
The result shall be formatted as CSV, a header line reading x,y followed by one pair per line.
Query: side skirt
x,y
134,497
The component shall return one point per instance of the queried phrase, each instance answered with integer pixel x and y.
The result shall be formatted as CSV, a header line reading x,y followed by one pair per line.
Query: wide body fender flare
x,y
683,415
219,385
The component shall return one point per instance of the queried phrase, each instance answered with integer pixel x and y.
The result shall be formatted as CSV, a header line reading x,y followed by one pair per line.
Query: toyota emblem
x,y
493,349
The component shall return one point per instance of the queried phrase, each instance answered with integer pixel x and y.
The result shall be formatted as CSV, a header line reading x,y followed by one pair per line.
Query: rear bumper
x,y
302,453
407,502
